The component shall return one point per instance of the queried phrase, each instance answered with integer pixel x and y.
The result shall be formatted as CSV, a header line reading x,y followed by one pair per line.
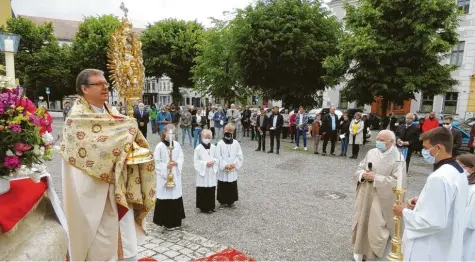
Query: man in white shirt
x,y
436,220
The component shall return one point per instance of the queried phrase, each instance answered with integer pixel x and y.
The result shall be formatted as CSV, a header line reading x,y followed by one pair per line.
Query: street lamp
x,y
9,45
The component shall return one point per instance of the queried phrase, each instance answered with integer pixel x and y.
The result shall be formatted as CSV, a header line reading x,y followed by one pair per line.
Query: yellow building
x,y
5,11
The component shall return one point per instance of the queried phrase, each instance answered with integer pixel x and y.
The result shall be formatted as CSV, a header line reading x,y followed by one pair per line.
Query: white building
x,y
452,103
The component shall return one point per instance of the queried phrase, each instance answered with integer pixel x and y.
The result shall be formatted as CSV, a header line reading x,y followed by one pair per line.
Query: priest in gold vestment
x,y
106,198
377,174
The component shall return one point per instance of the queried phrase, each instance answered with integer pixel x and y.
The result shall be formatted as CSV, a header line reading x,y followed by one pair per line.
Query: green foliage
x,y
216,72
40,61
169,47
280,46
91,43
393,49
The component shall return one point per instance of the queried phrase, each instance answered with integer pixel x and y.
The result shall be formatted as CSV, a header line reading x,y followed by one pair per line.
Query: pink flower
x,y
12,162
15,128
20,148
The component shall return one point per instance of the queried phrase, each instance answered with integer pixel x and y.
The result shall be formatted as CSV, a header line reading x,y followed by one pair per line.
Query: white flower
x,y
56,149
10,153
48,138
35,176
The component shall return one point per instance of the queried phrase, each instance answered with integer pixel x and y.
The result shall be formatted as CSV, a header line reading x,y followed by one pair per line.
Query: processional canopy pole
x,y
125,63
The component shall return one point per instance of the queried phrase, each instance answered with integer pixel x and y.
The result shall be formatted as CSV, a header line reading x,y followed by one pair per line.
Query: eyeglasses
x,y
106,85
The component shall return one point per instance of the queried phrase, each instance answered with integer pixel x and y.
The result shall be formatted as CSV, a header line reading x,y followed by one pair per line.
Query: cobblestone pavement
x,y
292,206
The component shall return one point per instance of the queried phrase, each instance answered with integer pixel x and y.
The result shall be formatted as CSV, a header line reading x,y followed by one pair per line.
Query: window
x,y
427,103
187,101
343,101
464,6
457,54
450,104
398,106
217,100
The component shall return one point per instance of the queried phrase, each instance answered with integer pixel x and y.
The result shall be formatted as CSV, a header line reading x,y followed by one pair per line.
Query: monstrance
x,y
126,63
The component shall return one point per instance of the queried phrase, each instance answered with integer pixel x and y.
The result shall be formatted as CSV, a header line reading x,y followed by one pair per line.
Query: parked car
x,y
463,129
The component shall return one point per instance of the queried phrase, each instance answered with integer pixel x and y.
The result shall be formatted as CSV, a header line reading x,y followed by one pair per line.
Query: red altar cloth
x,y
24,195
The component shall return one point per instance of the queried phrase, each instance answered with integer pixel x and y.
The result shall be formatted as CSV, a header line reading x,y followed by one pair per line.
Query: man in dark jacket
x,y
456,135
276,121
261,124
330,127
246,121
142,118
408,137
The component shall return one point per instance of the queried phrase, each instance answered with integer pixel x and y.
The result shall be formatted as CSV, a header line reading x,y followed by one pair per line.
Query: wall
x,y
5,11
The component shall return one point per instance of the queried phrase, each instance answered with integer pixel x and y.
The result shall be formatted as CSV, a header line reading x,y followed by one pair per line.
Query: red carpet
x,y
147,259
227,255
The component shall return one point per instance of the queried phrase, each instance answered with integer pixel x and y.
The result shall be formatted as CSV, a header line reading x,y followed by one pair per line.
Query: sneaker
x,y
296,148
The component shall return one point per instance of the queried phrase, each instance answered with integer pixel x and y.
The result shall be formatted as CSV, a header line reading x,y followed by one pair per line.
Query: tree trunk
x,y
384,106
176,96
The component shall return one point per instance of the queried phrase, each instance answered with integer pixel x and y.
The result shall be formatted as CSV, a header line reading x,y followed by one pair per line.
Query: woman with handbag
x,y
356,138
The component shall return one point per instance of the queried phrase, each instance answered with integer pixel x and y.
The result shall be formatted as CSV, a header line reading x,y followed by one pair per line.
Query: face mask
x,y
228,136
381,146
427,156
448,126
206,141
408,121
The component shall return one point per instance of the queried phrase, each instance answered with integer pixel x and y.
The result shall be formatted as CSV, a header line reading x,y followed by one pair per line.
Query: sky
x,y
141,12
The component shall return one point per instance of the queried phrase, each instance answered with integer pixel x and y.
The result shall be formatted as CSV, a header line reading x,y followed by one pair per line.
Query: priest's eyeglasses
x,y
106,85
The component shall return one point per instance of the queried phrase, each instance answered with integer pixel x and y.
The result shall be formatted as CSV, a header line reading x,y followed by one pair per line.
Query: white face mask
x,y
448,126
206,141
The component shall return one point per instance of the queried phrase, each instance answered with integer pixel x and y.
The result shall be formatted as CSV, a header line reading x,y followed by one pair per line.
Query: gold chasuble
x,y
97,145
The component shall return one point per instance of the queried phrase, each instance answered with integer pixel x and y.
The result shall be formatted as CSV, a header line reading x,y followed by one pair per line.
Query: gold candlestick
x,y
396,241
170,180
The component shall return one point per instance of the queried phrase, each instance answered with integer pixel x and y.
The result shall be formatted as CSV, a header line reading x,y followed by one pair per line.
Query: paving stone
x,y
157,241
200,240
149,238
203,250
173,239
183,243
182,258
193,246
185,251
189,237
210,243
166,244
160,257
171,253
195,255
147,253
140,249
209,254
150,246
161,249
176,247
218,248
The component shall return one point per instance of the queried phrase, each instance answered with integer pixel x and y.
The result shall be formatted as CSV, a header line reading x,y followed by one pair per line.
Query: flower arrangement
x,y
22,149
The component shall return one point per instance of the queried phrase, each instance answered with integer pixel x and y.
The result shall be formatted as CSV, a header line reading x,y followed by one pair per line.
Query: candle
x,y
170,137
8,45
399,178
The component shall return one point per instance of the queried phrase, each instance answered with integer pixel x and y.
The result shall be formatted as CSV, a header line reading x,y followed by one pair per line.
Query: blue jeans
x,y
152,123
196,137
301,132
183,132
344,144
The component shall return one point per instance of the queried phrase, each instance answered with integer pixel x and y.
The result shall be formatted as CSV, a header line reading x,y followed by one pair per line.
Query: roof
x,y
64,30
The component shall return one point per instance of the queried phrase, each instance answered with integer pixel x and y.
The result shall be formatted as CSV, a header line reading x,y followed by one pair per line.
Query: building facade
x,y
456,102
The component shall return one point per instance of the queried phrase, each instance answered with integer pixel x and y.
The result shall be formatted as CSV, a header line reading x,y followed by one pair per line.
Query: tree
x,y
169,48
281,45
216,72
91,43
40,61
393,49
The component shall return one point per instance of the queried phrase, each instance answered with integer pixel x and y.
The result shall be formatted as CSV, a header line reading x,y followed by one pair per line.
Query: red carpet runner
x,y
225,255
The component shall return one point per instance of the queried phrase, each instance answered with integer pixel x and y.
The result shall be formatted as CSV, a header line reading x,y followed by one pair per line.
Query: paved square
x,y
292,206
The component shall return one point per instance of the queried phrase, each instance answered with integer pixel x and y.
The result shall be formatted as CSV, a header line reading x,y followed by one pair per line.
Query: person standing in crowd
x,y
153,113
206,166
430,123
365,128
317,123
143,118
246,120
164,118
301,121
253,125
292,127
456,135
389,122
175,117
471,143
285,127
230,159
208,122
356,137
238,125
197,123
210,116
46,121
219,122
67,107
435,222
233,115
262,124
330,131
376,176
185,125
345,135
419,128
169,209
467,162
276,121
407,138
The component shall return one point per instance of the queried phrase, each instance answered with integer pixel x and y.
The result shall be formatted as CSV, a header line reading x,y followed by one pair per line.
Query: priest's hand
x,y
210,164
412,202
397,210
369,176
171,164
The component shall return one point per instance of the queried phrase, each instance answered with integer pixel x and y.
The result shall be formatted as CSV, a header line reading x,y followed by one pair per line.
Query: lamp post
x,y
9,45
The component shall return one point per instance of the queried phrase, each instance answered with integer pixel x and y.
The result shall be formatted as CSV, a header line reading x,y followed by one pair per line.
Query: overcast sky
x,y
141,12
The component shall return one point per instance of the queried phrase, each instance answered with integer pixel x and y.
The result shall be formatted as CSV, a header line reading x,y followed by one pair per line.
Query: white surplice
x,y
229,154
469,236
434,229
162,159
205,176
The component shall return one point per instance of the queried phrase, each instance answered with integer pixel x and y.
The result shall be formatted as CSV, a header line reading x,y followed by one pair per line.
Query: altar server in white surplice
x,y
206,167
377,174
169,210
230,158
436,220
467,161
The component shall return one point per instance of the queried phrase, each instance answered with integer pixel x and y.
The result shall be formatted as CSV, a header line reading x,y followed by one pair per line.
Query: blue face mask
x,y
381,146
427,156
